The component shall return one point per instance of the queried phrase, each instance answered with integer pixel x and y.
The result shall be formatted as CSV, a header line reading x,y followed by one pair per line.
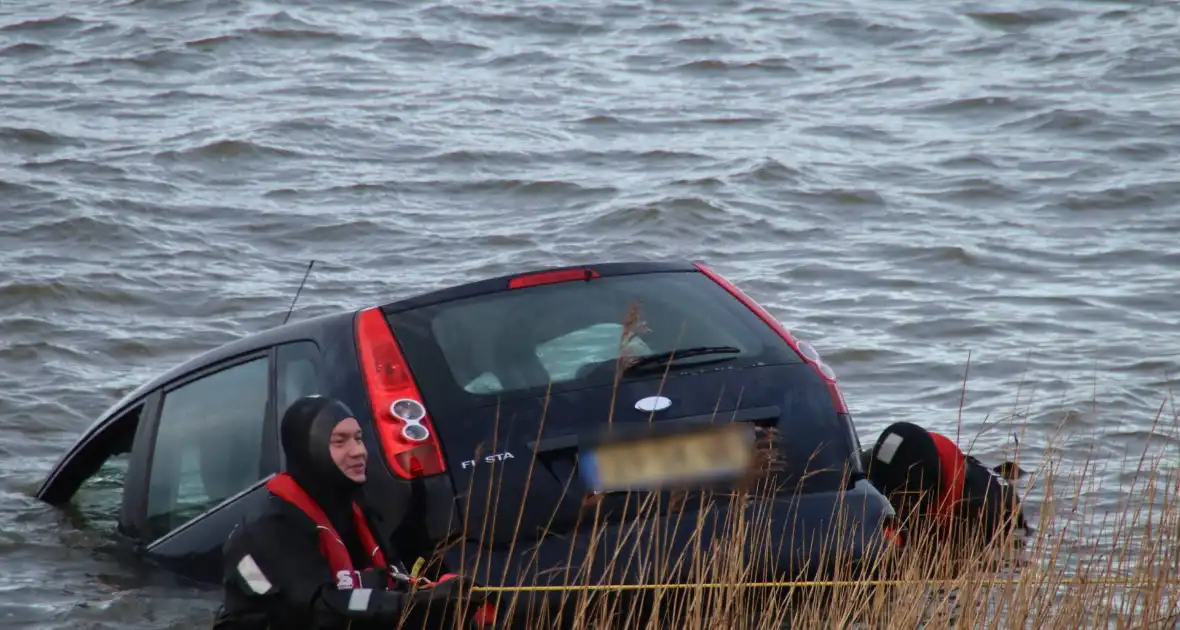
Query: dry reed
x,y
1072,570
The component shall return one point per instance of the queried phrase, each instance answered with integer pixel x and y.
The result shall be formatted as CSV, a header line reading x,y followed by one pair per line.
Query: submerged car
x,y
479,402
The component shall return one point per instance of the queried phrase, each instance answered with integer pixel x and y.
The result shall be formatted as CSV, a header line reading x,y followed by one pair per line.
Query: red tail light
x,y
551,277
388,380
811,357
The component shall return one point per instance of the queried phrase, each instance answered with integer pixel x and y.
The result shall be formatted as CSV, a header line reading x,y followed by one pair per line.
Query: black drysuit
x,y
905,459
277,577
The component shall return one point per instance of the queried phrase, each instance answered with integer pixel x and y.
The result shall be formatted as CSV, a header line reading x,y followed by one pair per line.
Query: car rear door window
x,y
208,443
297,372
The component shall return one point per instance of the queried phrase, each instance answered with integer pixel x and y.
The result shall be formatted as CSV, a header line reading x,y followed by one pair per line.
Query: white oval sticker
x,y
653,403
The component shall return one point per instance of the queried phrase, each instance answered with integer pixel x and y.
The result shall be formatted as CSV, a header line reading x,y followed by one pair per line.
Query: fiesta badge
x,y
653,403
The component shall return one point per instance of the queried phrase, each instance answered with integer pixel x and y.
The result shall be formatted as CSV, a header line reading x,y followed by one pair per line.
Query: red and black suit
x,y
310,560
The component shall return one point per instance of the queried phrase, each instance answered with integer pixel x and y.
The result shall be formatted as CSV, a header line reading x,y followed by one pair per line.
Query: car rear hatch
x,y
520,375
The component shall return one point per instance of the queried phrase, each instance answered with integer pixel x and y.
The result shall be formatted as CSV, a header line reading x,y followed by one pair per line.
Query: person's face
x,y
348,450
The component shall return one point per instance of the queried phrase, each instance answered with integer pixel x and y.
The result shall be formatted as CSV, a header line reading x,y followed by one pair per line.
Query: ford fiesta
x,y
492,412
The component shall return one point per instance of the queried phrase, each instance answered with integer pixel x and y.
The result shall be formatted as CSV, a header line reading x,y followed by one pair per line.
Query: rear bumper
x,y
800,537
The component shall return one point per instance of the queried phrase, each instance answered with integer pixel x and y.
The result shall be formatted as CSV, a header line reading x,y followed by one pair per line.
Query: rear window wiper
x,y
683,353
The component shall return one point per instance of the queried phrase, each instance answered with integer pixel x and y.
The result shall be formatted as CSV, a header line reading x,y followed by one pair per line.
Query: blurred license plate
x,y
650,463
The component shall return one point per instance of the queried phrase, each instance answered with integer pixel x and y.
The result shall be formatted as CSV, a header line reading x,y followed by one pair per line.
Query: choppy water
x,y
902,183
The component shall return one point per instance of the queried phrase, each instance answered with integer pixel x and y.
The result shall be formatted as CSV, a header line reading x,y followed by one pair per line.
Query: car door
x,y
210,450
212,446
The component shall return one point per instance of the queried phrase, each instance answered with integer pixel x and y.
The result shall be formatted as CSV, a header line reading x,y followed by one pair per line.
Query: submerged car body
x,y
477,401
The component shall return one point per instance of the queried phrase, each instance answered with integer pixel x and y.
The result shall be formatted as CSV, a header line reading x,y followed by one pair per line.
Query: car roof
x,y
302,329
500,283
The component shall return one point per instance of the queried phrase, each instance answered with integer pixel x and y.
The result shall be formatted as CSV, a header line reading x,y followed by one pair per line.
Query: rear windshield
x,y
571,334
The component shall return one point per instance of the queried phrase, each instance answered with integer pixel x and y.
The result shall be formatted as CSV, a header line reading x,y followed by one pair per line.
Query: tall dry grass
x,y
1074,569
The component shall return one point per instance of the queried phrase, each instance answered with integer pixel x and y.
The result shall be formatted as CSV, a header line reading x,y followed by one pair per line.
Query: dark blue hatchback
x,y
479,402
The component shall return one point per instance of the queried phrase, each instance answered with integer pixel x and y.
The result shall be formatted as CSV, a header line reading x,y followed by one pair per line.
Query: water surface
x,y
903,185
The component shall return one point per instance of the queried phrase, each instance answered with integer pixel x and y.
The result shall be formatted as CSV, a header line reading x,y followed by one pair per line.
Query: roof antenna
x,y
304,281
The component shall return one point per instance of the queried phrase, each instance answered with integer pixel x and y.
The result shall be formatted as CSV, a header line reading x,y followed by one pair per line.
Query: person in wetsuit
x,y
925,473
310,560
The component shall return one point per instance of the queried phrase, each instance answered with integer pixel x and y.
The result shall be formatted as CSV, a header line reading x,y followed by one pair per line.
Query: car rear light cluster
x,y
399,417
802,348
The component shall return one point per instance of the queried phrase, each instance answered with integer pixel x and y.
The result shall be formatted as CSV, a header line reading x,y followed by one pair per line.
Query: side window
x,y
95,478
297,373
564,355
208,443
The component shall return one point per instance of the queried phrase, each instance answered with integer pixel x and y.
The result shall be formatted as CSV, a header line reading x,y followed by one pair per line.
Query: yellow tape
x,y
804,584
417,567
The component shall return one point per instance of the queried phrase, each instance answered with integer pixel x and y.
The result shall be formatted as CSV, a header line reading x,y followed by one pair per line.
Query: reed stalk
x,y
1076,568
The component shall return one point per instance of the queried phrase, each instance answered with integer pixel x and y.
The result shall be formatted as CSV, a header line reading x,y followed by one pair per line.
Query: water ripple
x,y
904,185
